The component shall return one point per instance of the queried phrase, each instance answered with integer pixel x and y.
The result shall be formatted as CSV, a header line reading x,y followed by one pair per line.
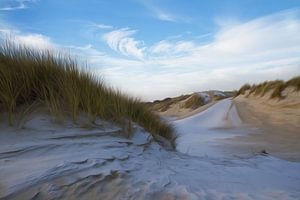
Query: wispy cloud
x,y
121,40
100,26
159,13
168,48
10,5
164,16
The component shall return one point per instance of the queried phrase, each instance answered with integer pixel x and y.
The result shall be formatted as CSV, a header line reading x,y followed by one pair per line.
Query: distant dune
x,y
188,105
270,110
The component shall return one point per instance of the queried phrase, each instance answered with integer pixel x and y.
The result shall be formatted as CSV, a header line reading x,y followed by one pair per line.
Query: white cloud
x,y
253,51
10,5
120,40
164,16
100,26
165,47
36,41
32,40
159,13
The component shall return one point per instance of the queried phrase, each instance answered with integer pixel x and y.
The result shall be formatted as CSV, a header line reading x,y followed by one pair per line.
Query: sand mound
x,y
285,111
277,120
187,105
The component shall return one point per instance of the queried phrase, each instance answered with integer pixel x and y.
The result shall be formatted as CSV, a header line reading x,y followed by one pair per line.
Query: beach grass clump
x,y
57,82
294,82
275,87
193,102
243,89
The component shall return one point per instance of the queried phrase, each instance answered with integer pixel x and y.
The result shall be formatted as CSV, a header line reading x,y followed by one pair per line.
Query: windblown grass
x,y
294,82
243,89
276,87
57,82
193,102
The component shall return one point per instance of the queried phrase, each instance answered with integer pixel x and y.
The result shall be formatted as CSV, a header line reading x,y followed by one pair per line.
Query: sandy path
x,y
243,127
201,134
278,129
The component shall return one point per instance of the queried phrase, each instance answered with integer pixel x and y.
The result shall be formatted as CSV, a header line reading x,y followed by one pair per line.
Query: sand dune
x,y
277,122
188,105
64,161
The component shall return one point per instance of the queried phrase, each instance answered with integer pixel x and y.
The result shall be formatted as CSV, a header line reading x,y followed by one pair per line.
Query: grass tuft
x,y
57,82
243,89
294,82
276,87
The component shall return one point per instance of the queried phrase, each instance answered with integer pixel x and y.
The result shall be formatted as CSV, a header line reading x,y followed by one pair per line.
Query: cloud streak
x,y
11,5
159,13
100,26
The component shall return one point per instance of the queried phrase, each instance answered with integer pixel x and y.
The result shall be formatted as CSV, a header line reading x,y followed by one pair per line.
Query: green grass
x,y
276,87
58,83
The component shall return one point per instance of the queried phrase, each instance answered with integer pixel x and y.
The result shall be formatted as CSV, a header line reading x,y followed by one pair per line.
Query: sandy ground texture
x,y
44,160
277,122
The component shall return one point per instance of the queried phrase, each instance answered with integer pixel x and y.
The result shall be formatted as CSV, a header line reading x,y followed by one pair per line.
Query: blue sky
x,y
158,48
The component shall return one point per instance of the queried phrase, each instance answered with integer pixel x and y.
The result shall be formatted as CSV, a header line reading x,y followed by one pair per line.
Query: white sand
x,y
49,161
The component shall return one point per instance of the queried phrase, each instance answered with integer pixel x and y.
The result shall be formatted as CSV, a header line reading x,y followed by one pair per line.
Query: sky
x,y
154,49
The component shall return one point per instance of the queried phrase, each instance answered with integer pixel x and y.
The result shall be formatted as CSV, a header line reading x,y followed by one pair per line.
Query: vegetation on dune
x,y
163,105
275,87
243,89
189,101
193,102
219,97
294,82
57,82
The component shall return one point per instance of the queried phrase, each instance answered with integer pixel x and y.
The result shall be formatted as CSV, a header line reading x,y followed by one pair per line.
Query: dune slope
x,y
52,161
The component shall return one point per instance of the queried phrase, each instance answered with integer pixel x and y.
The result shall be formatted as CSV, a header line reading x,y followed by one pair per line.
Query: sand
x,y
277,123
176,112
45,160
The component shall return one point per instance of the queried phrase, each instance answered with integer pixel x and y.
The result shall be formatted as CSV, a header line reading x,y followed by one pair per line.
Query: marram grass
x,y
276,87
57,82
